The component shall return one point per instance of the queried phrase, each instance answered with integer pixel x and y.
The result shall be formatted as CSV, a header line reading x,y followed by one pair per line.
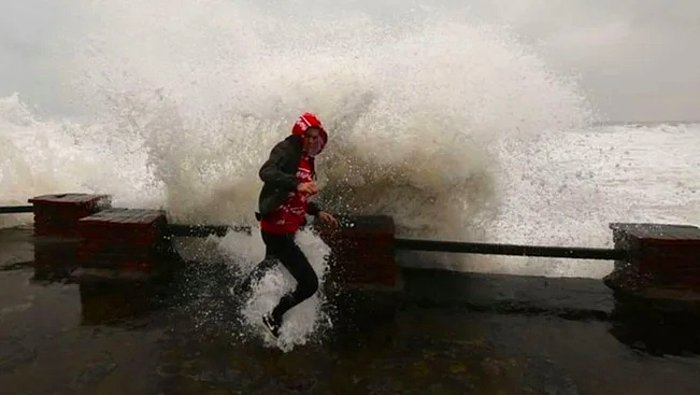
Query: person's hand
x,y
328,219
309,188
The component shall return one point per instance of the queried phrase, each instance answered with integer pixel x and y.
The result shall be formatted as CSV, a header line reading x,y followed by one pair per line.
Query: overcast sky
x,y
638,60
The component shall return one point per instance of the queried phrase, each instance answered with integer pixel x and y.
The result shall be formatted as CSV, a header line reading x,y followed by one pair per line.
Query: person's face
x,y
312,141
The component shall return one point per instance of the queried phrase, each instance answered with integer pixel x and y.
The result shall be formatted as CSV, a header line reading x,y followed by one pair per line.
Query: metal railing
x,y
15,209
510,249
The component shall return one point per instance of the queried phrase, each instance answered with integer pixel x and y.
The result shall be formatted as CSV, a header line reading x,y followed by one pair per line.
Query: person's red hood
x,y
308,120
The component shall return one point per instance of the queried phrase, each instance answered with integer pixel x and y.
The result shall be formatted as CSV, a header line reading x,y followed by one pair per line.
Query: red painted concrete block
x,y
128,228
660,255
122,239
362,251
58,215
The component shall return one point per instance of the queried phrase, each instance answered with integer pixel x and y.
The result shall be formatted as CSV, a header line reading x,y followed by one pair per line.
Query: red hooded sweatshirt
x,y
291,215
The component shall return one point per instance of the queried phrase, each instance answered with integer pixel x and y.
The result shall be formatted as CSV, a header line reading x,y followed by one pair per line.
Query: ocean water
x,y
456,129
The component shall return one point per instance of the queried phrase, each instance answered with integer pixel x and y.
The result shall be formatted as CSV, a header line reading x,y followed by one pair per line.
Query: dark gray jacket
x,y
279,175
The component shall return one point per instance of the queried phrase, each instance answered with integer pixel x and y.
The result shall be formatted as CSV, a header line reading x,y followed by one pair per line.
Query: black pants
x,y
284,249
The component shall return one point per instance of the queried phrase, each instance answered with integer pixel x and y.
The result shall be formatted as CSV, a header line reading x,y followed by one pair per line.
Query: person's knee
x,y
309,286
313,284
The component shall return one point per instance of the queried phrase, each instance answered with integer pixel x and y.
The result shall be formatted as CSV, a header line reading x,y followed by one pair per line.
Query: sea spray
x,y
184,104
301,322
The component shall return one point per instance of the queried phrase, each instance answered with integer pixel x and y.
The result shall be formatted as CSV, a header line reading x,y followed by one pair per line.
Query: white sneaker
x,y
272,326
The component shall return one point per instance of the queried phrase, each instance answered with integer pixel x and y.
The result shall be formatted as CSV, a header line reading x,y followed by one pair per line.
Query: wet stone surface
x,y
13,354
446,333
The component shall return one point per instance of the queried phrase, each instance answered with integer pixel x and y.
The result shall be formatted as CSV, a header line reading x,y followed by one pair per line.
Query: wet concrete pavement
x,y
445,333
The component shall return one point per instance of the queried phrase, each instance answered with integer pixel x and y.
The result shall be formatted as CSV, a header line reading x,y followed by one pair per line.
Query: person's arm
x,y
327,218
271,171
